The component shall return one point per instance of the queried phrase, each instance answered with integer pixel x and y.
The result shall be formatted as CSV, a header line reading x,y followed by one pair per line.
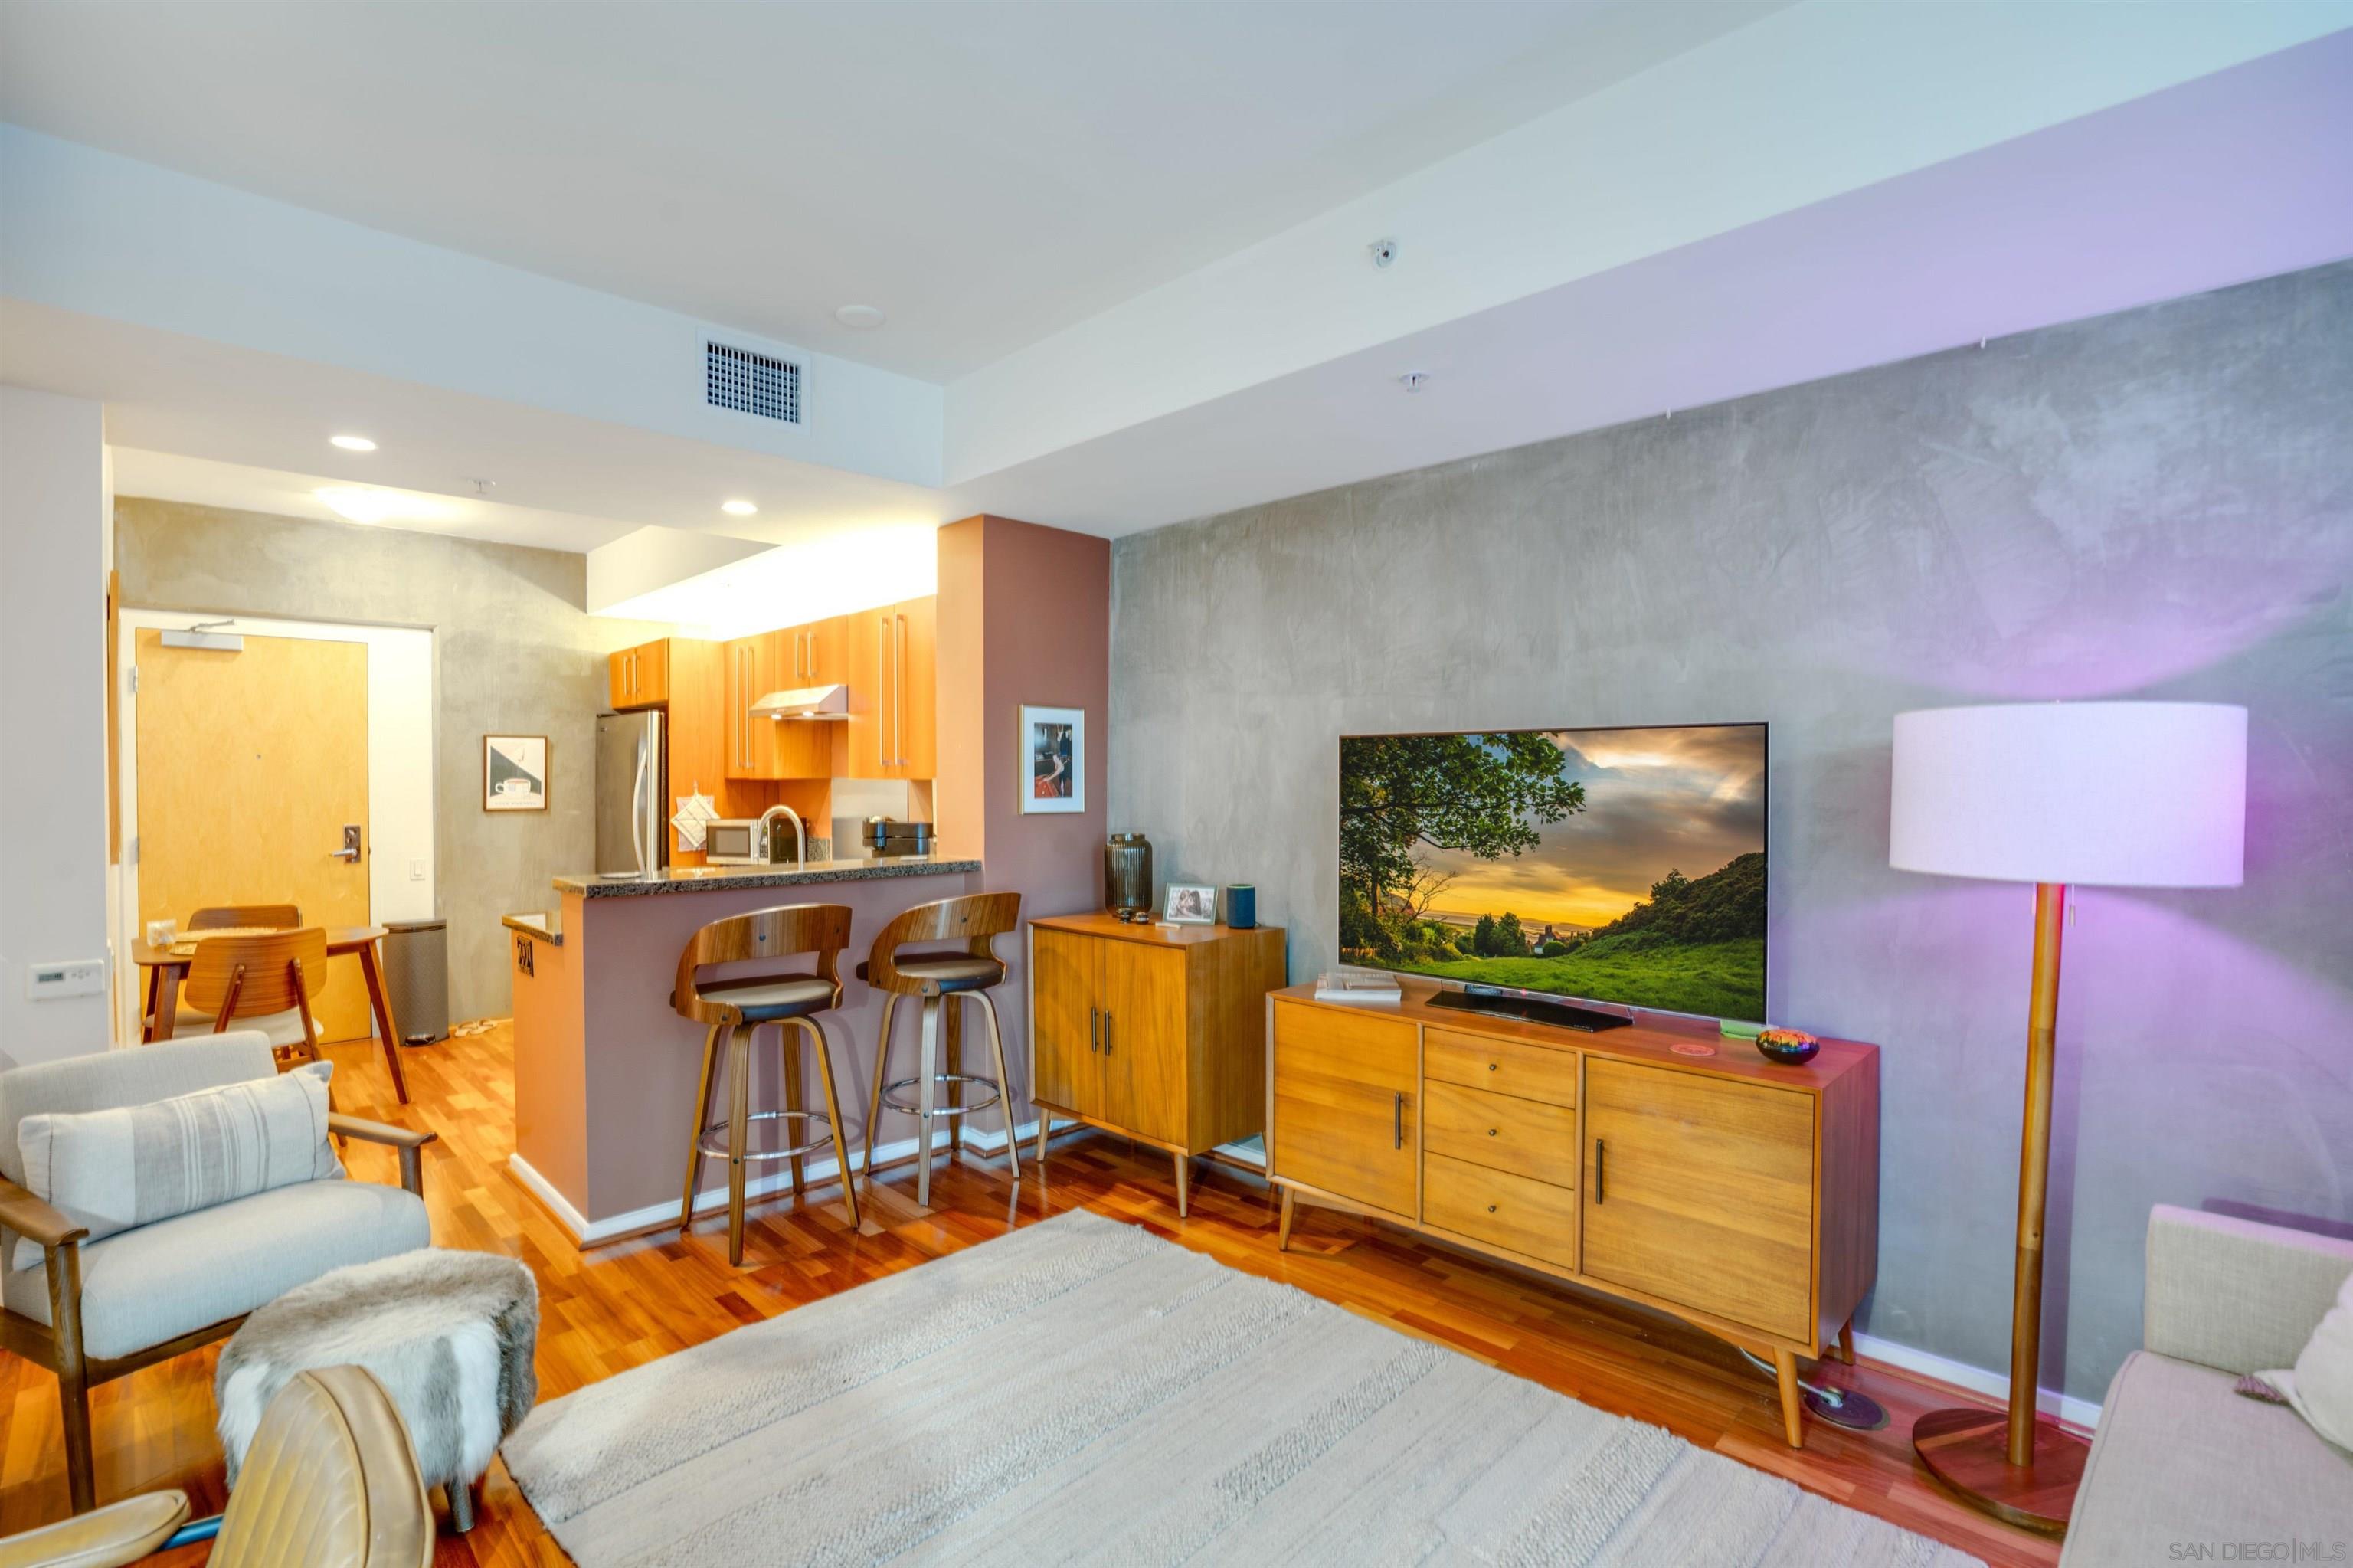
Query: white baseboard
x,y
816,1170
2083,1413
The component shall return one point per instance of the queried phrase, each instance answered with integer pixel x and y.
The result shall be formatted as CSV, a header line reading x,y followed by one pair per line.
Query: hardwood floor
x,y
628,1303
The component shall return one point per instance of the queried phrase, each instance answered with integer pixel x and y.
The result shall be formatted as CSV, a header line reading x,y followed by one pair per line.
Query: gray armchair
x,y
92,1311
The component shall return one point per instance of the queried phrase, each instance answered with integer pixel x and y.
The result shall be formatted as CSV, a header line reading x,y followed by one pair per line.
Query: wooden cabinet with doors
x,y
1659,1163
638,677
816,654
1156,1032
892,665
760,747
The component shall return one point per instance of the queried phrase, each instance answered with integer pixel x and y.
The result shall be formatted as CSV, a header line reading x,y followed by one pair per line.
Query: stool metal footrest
x,y
909,1107
715,1137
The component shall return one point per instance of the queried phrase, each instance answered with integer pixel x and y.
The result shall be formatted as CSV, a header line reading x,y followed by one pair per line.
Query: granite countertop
x,y
547,926
723,878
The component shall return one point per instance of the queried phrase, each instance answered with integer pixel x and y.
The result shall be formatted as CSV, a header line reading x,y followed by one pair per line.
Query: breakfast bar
x,y
605,1070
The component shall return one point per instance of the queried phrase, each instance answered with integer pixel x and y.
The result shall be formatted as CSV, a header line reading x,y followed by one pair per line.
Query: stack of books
x,y
1357,985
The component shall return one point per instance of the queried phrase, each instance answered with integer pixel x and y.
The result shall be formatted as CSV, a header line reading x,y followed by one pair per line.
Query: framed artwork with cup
x,y
1054,745
514,773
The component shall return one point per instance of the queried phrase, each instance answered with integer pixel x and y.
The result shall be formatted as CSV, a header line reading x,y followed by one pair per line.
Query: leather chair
x,y
330,1481
92,1313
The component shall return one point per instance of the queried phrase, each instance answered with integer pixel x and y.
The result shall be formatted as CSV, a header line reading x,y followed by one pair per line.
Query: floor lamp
x,y
2102,794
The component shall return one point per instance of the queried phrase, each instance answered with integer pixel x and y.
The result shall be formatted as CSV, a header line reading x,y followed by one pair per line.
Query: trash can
x,y
416,976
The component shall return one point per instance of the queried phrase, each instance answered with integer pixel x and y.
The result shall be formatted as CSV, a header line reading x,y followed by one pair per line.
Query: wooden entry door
x,y
251,766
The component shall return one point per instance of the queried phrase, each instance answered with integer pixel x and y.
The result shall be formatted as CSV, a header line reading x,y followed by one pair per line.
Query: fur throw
x,y
449,1334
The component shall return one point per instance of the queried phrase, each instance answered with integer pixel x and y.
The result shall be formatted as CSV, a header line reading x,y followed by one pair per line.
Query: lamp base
x,y
1969,1450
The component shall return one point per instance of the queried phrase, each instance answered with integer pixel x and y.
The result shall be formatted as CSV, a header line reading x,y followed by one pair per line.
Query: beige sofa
x,y
2185,1470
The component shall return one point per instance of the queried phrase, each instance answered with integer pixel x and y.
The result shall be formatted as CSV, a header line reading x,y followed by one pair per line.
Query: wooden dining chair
x,y
267,983
239,917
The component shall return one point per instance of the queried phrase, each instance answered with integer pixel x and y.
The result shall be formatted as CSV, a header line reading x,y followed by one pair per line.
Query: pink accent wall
x,y
1025,616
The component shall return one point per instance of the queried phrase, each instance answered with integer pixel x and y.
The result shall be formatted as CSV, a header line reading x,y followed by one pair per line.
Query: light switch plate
x,y
76,977
416,871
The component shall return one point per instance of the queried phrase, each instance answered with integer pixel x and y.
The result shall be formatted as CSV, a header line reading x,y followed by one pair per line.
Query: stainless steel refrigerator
x,y
632,785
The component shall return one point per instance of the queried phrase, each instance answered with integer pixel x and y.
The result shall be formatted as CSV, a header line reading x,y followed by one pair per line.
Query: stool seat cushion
x,y
951,971
764,999
449,1334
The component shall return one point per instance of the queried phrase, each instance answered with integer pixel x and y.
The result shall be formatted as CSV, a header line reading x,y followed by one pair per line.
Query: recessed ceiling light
x,y
359,505
737,508
353,443
862,317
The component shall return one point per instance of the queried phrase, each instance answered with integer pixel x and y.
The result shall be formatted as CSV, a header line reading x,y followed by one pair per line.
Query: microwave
x,y
736,841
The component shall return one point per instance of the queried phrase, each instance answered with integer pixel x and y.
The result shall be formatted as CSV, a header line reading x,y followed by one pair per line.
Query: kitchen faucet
x,y
800,835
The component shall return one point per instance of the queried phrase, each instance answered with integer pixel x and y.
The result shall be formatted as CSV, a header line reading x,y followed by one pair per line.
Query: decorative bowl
x,y
1790,1047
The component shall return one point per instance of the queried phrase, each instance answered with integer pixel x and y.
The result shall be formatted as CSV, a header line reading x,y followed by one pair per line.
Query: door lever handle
x,y
351,850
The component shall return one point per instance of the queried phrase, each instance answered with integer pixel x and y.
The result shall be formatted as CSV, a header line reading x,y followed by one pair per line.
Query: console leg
x,y
1785,1372
1183,1182
1282,1228
1846,1341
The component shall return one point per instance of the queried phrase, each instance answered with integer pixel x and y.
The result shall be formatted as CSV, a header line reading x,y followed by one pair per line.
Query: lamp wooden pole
x,y
1992,1461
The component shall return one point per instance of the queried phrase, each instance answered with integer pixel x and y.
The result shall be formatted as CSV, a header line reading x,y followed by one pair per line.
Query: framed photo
x,y
1055,742
1190,904
514,773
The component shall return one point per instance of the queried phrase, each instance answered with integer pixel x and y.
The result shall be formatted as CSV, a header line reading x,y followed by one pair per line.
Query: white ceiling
x,y
203,482
987,174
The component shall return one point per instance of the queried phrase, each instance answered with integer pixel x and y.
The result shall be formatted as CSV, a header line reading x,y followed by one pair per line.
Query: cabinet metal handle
x,y
1095,1029
899,695
882,696
1493,1130
1601,1172
1106,1032
1493,1065
1491,1208
1396,1132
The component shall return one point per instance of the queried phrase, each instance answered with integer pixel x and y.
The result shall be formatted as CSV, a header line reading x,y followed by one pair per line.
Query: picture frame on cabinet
x,y
514,773
1190,904
1054,742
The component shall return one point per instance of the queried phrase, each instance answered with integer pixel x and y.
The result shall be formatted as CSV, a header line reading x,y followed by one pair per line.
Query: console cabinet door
x,y
1699,1191
1065,1035
1348,1112
1143,1038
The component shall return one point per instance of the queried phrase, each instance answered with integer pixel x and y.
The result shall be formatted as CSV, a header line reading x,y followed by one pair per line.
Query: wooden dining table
x,y
167,968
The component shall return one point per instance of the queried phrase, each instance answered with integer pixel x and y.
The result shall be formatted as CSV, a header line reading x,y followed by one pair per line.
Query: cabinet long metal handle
x,y
1397,1134
883,689
1601,1172
899,695
1095,1029
1106,1032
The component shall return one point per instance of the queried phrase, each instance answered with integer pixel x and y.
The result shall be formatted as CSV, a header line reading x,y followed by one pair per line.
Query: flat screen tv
x,y
1622,867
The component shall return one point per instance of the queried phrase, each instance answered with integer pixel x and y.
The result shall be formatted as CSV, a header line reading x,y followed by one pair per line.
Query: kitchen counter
x,y
543,925
606,1069
725,878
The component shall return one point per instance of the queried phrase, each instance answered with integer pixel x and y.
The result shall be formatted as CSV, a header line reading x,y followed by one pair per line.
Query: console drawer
x,y
1501,1066
1526,1137
1495,1207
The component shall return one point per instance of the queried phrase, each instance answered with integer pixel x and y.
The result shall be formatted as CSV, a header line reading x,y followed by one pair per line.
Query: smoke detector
x,y
1412,379
1383,251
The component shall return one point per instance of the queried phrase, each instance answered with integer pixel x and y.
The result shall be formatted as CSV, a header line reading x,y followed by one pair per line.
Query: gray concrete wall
x,y
515,653
2157,504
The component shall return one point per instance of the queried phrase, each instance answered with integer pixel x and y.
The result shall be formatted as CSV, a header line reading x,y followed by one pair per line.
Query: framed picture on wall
x,y
1054,740
514,773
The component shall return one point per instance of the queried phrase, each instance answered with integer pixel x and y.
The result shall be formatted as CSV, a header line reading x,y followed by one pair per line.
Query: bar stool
x,y
939,977
733,1010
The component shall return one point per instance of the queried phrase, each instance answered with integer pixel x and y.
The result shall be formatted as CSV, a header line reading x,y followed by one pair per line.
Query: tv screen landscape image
x,y
1620,865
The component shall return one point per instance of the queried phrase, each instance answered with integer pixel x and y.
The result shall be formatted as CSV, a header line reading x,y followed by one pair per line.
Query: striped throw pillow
x,y
112,1171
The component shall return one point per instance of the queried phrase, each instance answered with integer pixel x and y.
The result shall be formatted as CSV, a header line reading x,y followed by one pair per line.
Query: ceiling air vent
x,y
750,383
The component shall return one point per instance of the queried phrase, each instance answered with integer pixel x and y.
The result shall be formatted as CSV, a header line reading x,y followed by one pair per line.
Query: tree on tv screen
x,y
1479,794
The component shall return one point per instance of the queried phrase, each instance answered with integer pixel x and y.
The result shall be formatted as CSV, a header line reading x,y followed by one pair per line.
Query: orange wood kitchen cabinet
x,y
892,661
1658,1163
638,677
817,655
761,747
1156,1032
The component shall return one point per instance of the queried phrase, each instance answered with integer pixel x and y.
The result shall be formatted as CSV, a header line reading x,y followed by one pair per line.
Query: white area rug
x,y
1082,1392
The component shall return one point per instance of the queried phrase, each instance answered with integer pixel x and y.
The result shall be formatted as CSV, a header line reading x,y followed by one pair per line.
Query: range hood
x,y
805,702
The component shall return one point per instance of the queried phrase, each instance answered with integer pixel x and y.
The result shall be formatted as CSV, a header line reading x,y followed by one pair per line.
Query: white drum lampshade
x,y
2095,794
